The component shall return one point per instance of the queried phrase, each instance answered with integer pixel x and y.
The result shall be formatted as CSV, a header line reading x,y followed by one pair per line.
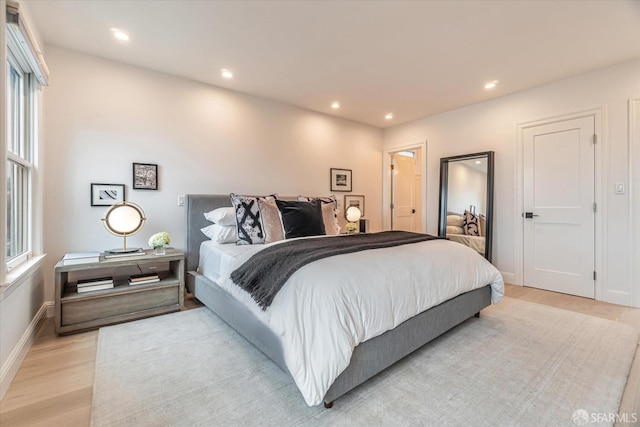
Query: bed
x,y
474,242
369,357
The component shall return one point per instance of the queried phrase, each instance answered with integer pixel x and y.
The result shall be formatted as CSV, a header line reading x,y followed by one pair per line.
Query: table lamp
x,y
123,219
352,215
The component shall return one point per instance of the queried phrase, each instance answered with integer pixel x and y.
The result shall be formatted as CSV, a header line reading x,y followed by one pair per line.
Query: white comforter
x,y
330,306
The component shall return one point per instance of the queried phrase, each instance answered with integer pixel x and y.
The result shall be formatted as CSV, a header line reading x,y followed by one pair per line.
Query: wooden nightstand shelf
x,y
77,312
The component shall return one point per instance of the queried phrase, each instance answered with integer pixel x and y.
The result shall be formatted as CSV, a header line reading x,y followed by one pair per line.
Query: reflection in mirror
x,y
466,200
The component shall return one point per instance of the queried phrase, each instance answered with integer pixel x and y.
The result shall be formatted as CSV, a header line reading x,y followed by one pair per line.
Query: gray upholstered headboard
x,y
196,205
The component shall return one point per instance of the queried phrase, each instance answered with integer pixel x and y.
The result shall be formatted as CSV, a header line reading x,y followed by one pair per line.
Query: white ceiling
x,y
410,58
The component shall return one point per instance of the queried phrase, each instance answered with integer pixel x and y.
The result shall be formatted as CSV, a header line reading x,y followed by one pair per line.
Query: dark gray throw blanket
x,y
264,274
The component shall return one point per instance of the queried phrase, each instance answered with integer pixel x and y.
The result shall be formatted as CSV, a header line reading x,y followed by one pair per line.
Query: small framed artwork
x,y
145,176
353,200
340,180
106,194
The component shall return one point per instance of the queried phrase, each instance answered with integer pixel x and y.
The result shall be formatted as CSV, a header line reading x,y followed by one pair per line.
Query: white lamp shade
x,y
124,218
353,214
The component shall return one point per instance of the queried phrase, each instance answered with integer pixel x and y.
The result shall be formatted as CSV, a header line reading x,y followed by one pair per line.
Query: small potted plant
x,y
351,227
159,242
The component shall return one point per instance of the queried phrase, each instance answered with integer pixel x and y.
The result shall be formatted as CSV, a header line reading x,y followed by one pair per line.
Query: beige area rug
x,y
519,364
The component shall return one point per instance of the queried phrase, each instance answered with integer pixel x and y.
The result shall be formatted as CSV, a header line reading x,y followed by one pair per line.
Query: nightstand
x,y
77,312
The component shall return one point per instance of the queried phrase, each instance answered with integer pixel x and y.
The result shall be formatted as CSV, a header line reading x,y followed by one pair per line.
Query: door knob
x,y
529,215
413,211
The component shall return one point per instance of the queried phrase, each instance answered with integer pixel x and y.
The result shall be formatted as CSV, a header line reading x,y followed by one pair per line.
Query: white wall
x,y
466,186
491,125
102,116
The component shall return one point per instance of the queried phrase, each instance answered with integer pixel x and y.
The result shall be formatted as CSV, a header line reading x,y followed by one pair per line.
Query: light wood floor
x,y
54,384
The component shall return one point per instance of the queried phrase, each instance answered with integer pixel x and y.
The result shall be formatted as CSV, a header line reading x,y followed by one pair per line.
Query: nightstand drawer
x,y
109,305
154,267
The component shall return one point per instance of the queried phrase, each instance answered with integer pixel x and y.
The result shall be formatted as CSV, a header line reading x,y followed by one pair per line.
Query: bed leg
x,y
477,314
328,405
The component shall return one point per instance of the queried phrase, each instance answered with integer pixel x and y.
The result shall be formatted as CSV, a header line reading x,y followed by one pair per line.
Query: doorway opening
x,y
406,189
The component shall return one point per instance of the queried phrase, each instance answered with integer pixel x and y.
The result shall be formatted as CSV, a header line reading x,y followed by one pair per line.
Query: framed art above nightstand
x,y
145,176
341,180
106,194
354,200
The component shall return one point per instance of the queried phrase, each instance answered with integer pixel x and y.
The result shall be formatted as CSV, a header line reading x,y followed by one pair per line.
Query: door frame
x,y
386,181
634,199
601,158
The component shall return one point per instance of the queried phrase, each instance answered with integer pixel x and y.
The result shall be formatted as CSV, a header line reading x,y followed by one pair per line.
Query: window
x,y
406,153
26,71
19,166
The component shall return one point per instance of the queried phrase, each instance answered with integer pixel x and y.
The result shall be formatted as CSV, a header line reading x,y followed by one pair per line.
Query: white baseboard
x,y
13,362
51,309
617,297
509,278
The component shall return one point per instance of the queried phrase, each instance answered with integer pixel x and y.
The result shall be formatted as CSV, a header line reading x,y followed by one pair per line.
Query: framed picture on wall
x,y
106,194
340,179
145,176
354,200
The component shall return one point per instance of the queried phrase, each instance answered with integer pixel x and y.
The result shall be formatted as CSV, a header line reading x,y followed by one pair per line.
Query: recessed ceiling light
x,y
120,35
226,73
478,162
389,116
491,85
335,105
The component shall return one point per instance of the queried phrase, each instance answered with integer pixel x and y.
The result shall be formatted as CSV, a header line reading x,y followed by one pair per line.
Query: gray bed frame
x,y
368,359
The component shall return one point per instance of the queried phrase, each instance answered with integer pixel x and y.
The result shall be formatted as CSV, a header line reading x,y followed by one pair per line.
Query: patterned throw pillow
x,y
248,222
470,226
329,213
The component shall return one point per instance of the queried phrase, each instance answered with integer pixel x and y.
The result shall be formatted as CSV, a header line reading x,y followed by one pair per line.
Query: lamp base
x,y
121,251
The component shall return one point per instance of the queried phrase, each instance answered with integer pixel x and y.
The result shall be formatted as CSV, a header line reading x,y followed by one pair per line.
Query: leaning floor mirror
x,y
466,200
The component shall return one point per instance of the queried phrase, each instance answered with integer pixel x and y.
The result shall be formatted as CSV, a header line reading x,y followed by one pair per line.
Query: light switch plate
x,y
619,187
181,200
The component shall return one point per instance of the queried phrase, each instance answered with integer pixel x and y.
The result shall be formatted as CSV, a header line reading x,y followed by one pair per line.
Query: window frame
x,y
26,151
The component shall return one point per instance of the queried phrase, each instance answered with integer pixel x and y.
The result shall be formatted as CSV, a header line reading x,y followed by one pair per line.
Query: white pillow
x,y
221,233
452,229
482,222
456,220
222,216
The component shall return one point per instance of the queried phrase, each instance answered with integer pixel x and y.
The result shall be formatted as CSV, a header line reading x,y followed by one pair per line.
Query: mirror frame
x,y
444,186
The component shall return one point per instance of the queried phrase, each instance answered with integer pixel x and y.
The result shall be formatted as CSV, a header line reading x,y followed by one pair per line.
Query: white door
x,y
407,186
559,194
